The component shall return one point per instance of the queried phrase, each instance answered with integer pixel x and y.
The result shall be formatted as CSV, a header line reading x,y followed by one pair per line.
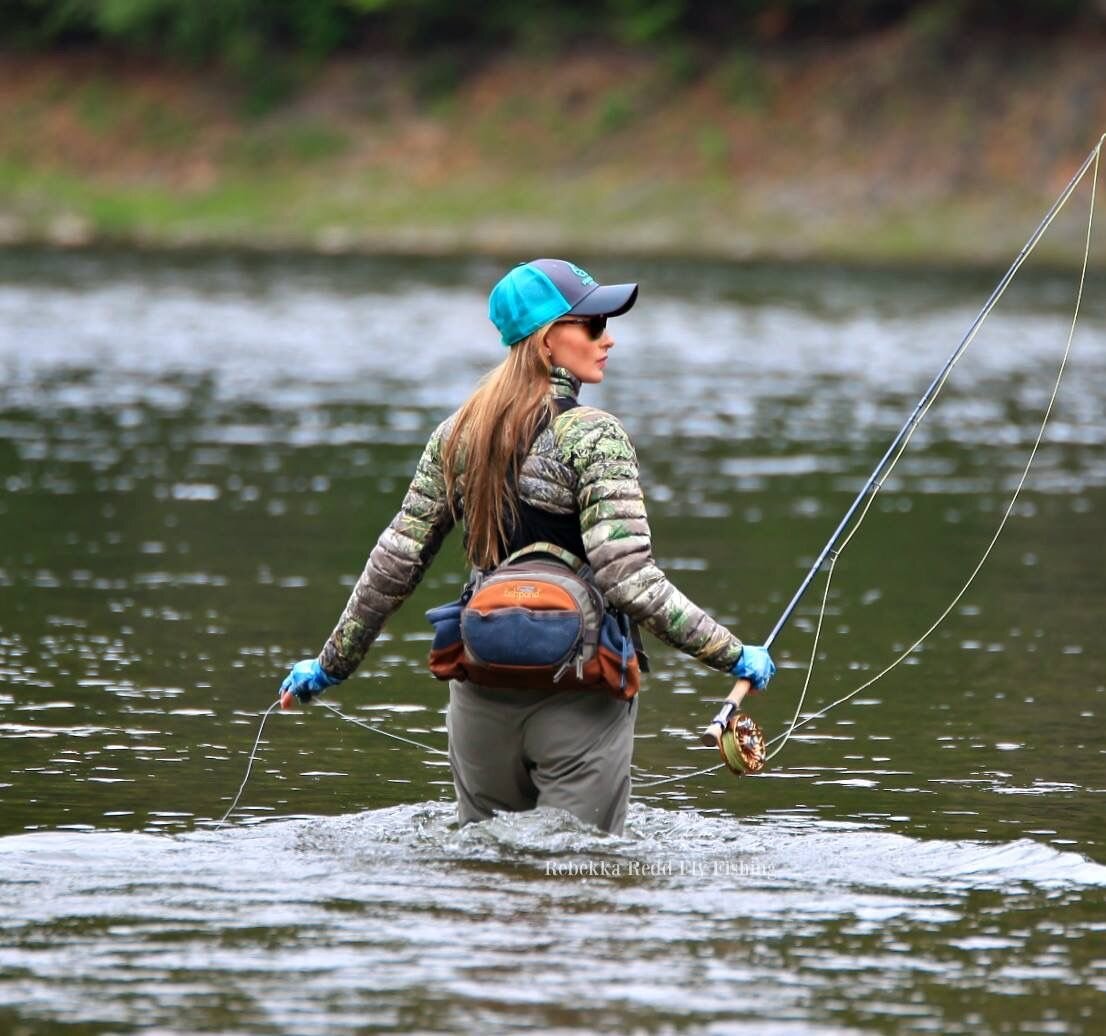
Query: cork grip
x,y
713,734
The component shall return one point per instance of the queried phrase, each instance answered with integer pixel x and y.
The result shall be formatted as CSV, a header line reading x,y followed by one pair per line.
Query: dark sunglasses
x,y
595,325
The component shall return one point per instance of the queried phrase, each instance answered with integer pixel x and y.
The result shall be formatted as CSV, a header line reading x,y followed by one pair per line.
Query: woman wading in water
x,y
522,463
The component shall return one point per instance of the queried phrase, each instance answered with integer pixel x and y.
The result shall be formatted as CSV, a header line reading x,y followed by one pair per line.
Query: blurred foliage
x,y
273,44
741,77
242,32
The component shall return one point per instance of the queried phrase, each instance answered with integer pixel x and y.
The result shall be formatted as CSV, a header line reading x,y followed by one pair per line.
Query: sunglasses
x,y
595,325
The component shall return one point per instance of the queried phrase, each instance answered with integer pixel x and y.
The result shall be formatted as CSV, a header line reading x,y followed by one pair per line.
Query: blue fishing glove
x,y
307,679
755,665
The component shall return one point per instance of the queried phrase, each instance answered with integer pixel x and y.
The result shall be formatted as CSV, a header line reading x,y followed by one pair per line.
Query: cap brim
x,y
607,300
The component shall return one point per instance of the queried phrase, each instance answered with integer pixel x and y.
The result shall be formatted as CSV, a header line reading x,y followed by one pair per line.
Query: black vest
x,y
537,526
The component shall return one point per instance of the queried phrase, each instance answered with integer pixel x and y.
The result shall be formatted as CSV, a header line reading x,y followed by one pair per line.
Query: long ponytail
x,y
490,437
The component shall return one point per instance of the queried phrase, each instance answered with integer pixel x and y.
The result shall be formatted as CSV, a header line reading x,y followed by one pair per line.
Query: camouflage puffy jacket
x,y
582,463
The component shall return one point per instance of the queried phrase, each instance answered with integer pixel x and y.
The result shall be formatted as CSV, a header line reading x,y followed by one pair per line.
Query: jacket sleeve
x,y
396,564
619,546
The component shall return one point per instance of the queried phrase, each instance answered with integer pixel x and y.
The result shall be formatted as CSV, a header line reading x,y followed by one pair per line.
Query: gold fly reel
x,y
742,744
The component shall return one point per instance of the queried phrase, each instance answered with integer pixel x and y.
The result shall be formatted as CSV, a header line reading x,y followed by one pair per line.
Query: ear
x,y
543,345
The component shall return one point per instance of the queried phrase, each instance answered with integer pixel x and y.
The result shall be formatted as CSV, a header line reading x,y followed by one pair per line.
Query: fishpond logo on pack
x,y
523,592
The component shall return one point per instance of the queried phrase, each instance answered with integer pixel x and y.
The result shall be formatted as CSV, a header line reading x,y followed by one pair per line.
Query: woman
x,y
523,463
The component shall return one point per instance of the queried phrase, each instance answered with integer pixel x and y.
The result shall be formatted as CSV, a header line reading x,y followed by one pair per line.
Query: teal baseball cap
x,y
534,293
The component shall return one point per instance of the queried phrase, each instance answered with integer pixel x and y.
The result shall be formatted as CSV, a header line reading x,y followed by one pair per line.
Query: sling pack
x,y
537,620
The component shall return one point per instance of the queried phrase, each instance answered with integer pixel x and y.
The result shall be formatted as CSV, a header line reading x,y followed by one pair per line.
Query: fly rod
x,y
743,745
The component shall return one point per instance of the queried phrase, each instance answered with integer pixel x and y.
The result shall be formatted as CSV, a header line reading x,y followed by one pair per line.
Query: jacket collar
x,y
563,384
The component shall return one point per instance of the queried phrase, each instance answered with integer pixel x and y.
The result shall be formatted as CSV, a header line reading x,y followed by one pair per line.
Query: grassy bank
x,y
885,148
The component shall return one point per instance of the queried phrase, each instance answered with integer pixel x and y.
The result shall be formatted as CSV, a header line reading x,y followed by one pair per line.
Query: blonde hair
x,y
490,437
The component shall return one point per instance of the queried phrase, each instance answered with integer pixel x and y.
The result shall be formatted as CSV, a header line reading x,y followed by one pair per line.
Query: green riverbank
x,y
878,149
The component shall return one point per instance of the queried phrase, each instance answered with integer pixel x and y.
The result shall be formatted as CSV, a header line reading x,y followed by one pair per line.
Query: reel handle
x,y
712,736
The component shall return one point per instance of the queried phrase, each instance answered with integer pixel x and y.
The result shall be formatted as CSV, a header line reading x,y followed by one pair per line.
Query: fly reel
x,y
742,744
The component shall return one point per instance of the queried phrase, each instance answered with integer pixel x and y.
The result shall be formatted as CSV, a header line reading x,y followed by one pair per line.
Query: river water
x,y
196,454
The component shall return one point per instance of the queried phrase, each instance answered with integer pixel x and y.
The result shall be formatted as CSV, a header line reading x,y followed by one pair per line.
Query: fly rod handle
x,y
713,734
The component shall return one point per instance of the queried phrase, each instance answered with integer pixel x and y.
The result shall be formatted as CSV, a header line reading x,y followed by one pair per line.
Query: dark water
x,y
196,455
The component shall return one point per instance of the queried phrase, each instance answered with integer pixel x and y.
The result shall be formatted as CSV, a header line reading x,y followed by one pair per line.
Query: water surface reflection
x,y
196,455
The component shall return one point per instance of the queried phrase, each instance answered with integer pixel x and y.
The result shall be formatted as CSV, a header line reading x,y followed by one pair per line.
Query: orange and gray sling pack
x,y
538,621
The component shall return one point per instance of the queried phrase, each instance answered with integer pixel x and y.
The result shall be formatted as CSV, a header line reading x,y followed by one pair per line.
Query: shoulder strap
x,y
551,549
562,404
